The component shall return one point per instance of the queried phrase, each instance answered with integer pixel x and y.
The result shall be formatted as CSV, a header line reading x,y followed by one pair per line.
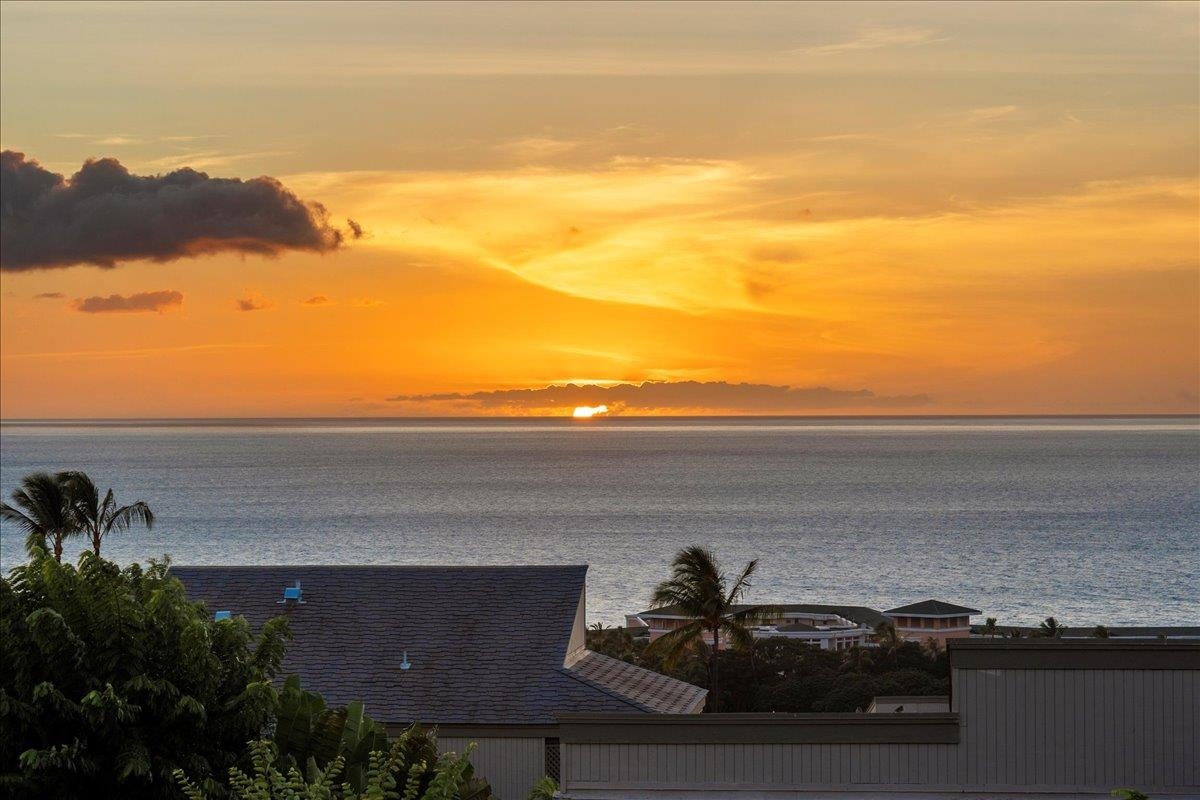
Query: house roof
x,y
857,614
933,608
486,645
655,692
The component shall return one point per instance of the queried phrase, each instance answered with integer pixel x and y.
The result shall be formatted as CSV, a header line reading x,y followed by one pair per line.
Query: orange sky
x,y
959,208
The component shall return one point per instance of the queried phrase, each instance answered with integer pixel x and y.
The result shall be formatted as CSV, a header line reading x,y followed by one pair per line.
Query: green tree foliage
x,y
1050,628
410,769
544,789
110,680
310,736
780,674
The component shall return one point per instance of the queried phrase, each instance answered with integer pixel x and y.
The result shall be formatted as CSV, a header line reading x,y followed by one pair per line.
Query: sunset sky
x,y
853,209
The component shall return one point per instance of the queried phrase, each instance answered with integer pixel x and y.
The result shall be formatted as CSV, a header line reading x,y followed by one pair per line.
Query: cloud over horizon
x,y
760,397
140,302
103,215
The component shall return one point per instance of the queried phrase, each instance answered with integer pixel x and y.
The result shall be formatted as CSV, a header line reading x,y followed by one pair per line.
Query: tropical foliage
x,y
110,680
411,769
699,589
51,508
780,674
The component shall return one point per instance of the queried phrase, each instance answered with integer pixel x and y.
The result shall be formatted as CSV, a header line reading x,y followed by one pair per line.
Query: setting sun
x,y
586,412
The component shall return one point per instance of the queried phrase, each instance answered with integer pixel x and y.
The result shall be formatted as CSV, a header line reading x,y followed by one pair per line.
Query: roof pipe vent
x,y
404,662
292,593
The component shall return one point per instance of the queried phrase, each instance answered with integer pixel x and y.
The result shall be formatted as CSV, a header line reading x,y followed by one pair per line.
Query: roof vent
x,y
222,615
292,593
404,662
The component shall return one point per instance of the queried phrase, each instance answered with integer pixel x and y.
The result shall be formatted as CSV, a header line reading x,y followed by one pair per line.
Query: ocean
x,y
1091,520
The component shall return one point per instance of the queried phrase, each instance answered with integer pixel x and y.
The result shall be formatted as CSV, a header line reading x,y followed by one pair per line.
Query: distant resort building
x,y
932,619
829,627
489,655
832,627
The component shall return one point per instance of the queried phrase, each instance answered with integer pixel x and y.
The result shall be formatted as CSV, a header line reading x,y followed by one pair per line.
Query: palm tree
x,y
97,518
856,659
43,511
1049,629
989,627
700,590
887,639
1100,632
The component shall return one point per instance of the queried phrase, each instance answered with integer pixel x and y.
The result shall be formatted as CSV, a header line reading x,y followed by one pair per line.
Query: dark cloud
x,y
356,230
166,300
253,304
49,296
316,300
103,215
754,397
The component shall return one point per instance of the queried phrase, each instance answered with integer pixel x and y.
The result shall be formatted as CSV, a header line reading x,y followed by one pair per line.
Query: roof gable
x,y
485,645
933,608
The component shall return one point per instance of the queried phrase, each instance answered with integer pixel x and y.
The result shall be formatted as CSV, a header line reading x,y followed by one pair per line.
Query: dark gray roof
x,y
487,645
857,614
653,691
933,608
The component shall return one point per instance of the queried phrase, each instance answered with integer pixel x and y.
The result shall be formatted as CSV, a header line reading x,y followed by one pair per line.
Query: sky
x,y
438,209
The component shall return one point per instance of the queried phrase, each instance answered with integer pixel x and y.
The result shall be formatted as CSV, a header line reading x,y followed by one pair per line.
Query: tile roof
x,y
654,692
933,608
487,645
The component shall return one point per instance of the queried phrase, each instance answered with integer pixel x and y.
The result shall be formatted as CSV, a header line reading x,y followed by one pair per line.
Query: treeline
x,y
779,674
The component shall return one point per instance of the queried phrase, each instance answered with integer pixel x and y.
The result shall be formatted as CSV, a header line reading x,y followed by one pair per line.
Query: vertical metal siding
x,y
1021,729
511,766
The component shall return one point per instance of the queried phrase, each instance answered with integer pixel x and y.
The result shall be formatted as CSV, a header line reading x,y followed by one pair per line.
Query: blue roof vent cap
x,y
404,662
292,593
222,615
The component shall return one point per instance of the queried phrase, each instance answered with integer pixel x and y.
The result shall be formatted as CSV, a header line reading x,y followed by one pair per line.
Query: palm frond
x,y
674,644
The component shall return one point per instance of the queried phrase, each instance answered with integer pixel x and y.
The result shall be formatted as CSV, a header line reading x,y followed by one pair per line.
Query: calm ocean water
x,y
1093,520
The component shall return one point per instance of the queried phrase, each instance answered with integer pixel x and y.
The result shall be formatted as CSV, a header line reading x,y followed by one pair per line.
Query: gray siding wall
x,y
1078,728
1023,730
510,765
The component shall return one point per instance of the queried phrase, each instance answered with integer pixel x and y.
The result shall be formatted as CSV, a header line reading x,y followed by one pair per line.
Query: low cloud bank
x,y
141,302
103,215
720,395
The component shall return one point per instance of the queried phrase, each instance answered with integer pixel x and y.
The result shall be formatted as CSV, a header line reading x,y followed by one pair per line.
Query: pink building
x,y
932,619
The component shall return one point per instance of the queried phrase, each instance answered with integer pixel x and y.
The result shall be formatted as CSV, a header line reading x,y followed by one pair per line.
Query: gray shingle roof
x,y
933,608
652,691
487,645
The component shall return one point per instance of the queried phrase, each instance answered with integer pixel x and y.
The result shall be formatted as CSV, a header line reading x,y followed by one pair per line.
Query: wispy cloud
x,y
316,300
875,38
49,296
141,302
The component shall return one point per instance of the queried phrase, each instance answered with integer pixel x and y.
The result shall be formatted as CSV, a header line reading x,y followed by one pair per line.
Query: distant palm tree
x,y
43,511
97,518
1049,629
989,627
699,589
1100,632
932,647
887,639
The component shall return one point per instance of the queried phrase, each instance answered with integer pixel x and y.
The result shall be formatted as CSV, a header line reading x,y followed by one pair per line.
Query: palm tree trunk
x,y
58,540
714,677
96,543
